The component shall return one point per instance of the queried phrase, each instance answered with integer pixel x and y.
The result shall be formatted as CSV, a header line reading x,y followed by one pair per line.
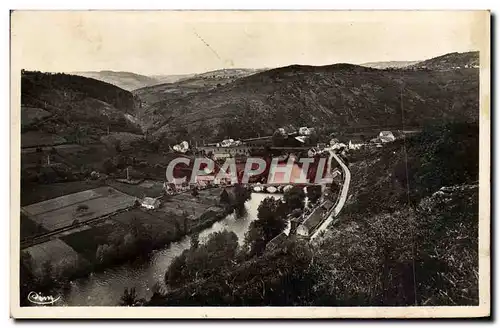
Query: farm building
x,y
314,219
275,243
386,136
305,131
224,152
150,203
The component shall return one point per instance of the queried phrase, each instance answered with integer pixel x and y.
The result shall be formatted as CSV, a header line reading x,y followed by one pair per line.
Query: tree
x,y
313,193
278,139
130,298
271,221
27,278
47,276
108,166
313,138
282,277
224,197
295,198
176,272
203,261
195,241
241,195
141,236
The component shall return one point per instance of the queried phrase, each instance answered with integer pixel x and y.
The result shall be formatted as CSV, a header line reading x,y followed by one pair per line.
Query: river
x,y
106,288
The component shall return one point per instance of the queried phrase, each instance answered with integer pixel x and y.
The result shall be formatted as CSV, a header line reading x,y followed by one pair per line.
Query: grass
x,y
137,190
30,115
35,193
86,242
29,227
157,220
36,138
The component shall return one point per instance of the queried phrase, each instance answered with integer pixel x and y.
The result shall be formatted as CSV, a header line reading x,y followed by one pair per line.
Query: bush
x,y
82,207
295,198
203,261
271,221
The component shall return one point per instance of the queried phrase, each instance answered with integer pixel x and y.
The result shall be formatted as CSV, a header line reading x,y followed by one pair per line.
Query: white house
x,y
150,203
182,147
304,131
386,136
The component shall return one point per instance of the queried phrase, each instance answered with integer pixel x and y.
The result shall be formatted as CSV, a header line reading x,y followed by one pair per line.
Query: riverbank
x,y
130,236
105,288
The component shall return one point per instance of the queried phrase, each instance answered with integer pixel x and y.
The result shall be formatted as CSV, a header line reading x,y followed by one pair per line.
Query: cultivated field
x,y
157,220
56,252
70,148
184,203
34,193
30,115
148,188
36,138
82,206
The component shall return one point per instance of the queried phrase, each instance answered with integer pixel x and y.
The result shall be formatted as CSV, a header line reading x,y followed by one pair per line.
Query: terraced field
x,y
57,253
83,206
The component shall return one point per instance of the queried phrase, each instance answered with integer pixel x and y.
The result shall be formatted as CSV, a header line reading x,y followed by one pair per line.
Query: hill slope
x,y
74,108
183,85
165,78
450,61
328,96
125,80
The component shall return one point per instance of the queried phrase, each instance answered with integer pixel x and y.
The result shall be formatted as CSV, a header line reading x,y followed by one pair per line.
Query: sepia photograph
x,y
250,164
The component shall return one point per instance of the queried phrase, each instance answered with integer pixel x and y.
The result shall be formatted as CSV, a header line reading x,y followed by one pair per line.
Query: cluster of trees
x,y
29,281
237,199
140,239
276,278
271,220
222,254
203,261
442,155
47,279
130,298
425,255
313,193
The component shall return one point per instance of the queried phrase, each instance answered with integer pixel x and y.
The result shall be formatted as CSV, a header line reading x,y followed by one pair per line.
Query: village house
x,y
224,152
383,137
150,203
311,223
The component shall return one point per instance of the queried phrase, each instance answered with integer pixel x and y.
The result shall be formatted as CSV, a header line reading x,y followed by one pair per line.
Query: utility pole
x,y
127,175
48,159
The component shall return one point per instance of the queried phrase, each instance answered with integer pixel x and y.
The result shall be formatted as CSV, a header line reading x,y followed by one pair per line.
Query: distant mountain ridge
x,y
166,78
126,80
192,83
330,96
390,64
247,102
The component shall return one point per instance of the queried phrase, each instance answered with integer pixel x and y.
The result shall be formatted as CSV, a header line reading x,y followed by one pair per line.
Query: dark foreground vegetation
x,y
404,239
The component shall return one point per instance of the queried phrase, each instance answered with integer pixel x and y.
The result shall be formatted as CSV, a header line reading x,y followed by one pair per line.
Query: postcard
x,y
250,164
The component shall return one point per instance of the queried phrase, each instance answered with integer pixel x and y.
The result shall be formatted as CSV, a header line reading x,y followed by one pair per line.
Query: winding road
x,y
342,197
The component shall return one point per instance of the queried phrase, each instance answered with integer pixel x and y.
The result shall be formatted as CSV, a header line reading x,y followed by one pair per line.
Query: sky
x,y
179,42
